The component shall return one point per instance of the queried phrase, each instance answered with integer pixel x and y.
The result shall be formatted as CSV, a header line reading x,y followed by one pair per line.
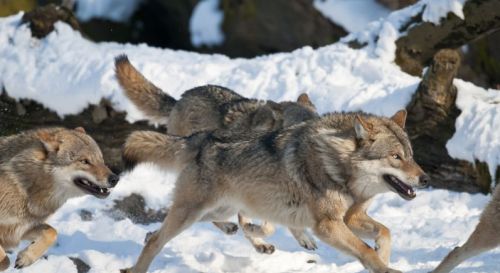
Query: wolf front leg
x,y
4,259
255,234
178,219
42,236
366,227
337,234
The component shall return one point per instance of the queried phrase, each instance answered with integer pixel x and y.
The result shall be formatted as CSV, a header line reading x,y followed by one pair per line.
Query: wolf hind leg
x,y
483,238
255,234
304,239
4,260
42,236
229,228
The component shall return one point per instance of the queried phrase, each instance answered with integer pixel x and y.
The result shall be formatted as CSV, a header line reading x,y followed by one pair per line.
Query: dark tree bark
x,y
431,123
416,49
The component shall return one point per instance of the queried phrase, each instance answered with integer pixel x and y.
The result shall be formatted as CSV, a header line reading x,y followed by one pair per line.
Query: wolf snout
x,y
424,180
113,179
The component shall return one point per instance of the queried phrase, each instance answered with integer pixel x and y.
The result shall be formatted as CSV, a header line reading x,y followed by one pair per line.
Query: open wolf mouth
x,y
91,188
404,190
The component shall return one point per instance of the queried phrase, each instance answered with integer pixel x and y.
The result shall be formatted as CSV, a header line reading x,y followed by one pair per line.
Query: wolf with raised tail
x,y
39,171
320,174
212,107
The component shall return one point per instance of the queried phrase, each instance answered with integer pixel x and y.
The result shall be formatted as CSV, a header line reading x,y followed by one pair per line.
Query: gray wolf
x,y
320,174
209,108
485,237
39,171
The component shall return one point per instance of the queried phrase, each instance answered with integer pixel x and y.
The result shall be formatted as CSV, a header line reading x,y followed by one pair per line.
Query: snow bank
x,y
380,36
114,10
336,77
352,15
423,232
205,24
477,133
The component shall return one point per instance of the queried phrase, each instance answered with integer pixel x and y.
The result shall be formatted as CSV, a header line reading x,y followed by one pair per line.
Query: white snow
x,y
65,72
205,24
423,231
477,133
114,10
81,72
352,15
435,10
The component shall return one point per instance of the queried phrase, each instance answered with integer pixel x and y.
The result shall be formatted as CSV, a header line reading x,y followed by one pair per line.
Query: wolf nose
x,y
113,180
424,180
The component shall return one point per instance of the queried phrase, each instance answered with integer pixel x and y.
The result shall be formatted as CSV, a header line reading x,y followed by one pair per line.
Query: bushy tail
x,y
170,152
150,99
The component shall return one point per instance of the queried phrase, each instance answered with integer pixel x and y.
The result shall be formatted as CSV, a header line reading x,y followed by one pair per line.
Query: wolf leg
x,y
338,235
42,236
4,260
255,234
190,203
178,219
303,238
366,227
229,228
482,239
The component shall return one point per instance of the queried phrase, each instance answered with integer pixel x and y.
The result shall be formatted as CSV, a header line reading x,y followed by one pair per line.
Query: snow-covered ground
x,y
65,72
424,231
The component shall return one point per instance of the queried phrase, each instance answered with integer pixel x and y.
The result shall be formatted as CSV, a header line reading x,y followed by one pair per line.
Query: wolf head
x,y
76,164
383,159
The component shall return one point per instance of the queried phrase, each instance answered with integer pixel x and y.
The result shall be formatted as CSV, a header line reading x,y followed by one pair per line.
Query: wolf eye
x,y
396,156
85,161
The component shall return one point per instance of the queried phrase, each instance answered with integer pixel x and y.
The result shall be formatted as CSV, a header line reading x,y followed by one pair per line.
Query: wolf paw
x,y
229,228
4,264
308,242
265,248
23,260
126,270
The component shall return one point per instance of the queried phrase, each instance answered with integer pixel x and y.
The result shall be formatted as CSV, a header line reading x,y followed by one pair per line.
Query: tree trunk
x,y
416,49
431,123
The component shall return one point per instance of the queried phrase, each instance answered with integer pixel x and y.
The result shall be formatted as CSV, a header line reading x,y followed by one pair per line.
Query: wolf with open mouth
x,y
39,171
320,174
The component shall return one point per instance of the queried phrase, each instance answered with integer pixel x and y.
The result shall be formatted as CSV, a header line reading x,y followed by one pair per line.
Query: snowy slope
x,y
66,72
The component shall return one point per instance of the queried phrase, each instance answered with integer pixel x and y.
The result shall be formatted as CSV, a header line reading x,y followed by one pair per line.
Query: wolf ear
x,y
50,143
80,129
400,118
304,100
362,127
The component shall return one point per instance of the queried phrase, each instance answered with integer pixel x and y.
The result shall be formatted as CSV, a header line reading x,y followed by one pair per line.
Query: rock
x,y
41,20
134,208
86,215
81,266
256,27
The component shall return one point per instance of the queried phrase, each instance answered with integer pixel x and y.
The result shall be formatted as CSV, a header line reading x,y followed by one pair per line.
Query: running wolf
x,y
39,171
213,107
485,237
319,174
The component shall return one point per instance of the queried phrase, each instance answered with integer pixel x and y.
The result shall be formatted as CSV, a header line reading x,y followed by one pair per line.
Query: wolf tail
x,y
167,151
150,99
